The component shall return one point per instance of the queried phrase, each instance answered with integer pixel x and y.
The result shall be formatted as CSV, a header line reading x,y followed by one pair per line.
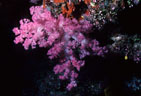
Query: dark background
x,y
24,64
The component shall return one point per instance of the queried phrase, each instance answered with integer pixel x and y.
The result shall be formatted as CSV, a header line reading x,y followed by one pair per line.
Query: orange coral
x,y
44,3
59,1
69,11
87,1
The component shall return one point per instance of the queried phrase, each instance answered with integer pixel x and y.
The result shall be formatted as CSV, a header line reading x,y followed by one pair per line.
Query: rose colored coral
x,y
64,36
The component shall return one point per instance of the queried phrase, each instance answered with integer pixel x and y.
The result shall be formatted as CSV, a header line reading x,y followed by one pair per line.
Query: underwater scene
x,y
73,47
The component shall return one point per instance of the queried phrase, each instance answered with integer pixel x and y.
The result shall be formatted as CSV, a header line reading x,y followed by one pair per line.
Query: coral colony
x,y
134,84
130,50
63,27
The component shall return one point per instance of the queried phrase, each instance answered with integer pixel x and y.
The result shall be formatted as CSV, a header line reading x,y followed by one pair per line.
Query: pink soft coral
x,y
64,36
